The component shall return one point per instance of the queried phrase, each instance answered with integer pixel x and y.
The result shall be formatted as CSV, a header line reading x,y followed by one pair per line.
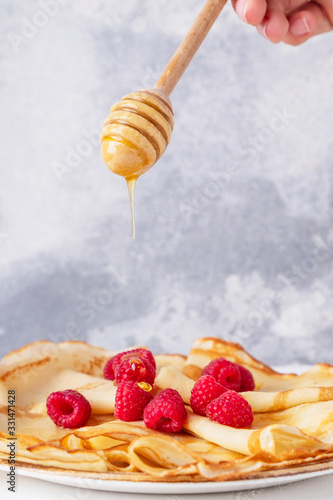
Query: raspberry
x,y
113,363
166,412
108,370
230,409
203,392
131,399
247,381
68,408
225,373
137,369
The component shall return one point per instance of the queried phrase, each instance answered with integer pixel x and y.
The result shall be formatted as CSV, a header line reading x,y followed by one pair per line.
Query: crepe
x,y
292,427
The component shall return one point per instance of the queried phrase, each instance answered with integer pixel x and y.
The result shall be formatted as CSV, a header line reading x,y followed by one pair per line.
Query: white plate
x,y
164,488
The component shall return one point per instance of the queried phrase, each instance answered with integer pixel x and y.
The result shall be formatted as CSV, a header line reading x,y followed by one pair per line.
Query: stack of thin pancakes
x,y
292,429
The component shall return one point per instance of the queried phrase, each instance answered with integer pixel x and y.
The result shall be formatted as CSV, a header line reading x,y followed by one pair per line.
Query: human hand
x,y
289,21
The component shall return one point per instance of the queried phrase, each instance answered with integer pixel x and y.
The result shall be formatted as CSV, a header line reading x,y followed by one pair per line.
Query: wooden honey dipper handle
x,y
188,47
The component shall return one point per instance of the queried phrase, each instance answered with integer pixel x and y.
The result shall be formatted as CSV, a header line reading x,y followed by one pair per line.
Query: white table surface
x,y
320,488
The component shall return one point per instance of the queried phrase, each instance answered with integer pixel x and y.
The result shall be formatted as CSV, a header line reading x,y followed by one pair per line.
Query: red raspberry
x,y
247,380
203,392
225,373
137,369
131,399
166,412
108,370
68,408
230,409
113,363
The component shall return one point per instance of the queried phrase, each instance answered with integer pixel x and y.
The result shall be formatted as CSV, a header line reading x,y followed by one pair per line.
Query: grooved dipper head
x,y
136,132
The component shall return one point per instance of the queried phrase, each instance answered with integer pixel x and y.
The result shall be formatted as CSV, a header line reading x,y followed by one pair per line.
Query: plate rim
x,y
160,487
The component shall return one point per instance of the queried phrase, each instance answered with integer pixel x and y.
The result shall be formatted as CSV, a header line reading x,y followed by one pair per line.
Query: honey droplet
x,y
145,386
134,362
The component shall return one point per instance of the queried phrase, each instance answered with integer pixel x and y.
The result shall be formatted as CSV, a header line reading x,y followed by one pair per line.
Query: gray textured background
x,y
234,224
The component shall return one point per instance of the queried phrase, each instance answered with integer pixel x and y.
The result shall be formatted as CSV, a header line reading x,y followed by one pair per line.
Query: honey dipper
x,y
138,128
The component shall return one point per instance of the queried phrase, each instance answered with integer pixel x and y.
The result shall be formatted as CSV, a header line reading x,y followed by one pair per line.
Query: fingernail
x,y
245,9
265,26
299,27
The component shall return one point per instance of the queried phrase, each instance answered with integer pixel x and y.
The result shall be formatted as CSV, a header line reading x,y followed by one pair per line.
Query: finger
x,y
311,20
294,5
275,25
250,11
